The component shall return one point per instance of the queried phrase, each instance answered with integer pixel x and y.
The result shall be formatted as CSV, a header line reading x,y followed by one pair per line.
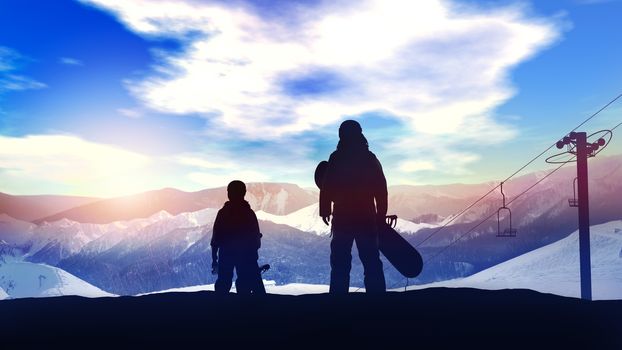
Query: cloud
x,y
10,62
130,112
14,82
71,163
68,61
211,180
8,59
594,2
438,67
411,166
200,162
219,163
431,63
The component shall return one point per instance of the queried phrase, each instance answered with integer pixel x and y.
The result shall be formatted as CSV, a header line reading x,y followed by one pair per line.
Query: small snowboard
x,y
401,254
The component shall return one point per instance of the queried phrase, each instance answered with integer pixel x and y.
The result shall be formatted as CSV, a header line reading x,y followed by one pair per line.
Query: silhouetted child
x,y
235,243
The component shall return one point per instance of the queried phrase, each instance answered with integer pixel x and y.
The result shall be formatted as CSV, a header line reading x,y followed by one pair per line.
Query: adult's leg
x,y
367,245
225,273
340,261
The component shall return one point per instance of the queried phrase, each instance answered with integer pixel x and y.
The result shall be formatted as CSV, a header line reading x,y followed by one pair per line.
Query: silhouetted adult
x,y
355,184
235,243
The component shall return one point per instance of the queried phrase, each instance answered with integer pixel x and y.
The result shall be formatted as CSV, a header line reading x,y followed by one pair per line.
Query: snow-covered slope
x,y
20,279
308,219
555,268
271,288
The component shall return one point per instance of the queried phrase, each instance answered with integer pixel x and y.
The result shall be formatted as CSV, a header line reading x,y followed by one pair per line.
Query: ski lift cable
x,y
518,171
494,213
561,164
499,185
491,215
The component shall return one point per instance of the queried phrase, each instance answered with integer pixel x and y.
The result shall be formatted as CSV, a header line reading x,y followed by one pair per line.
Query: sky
x,y
113,97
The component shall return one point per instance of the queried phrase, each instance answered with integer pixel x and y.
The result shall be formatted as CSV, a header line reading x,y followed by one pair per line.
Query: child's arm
x,y
216,241
214,260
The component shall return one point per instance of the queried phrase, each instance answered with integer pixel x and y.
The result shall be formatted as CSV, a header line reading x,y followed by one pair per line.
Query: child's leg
x,y
225,274
249,278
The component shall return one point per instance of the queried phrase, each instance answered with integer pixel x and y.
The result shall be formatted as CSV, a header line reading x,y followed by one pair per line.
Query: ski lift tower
x,y
578,145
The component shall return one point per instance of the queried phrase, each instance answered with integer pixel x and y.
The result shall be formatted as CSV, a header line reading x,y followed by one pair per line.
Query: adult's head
x,y
236,190
351,136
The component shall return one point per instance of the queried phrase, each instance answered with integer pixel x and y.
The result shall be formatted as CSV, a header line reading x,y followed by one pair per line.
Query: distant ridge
x,y
421,203
29,208
274,198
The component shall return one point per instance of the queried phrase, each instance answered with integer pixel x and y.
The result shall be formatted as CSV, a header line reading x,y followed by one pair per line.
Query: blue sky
x,y
104,97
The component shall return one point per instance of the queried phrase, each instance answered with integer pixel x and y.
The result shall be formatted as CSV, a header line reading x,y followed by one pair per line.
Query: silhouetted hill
x,y
275,198
430,319
28,208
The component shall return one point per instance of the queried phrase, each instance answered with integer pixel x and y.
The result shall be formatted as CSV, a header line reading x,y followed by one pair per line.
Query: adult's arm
x,y
380,190
327,190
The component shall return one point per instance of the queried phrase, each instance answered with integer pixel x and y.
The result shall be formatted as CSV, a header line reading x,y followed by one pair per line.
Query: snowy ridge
x,y
308,220
67,237
3,294
555,268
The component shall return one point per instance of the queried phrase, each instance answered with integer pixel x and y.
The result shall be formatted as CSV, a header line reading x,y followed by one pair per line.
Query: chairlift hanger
x,y
509,231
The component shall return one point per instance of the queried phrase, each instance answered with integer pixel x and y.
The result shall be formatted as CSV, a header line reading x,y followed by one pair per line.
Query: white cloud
x,y
435,65
14,82
438,67
200,162
594,2
130,112
411,166
10,60
215,166
70,61
71,163
211,180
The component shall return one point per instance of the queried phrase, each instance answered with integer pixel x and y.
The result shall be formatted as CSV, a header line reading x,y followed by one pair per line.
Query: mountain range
x,y
160,239
276,198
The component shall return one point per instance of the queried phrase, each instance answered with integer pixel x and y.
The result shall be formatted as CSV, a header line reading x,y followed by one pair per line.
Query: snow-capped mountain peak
x,y
308,219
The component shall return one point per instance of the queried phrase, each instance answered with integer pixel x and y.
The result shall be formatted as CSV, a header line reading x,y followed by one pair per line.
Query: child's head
x,y
236,190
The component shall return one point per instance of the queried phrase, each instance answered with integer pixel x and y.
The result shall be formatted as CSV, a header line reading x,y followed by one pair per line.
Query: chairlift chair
x,y
509,231
574,202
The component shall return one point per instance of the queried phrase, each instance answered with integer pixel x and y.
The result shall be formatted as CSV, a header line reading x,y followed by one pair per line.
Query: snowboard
x,y
401,254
